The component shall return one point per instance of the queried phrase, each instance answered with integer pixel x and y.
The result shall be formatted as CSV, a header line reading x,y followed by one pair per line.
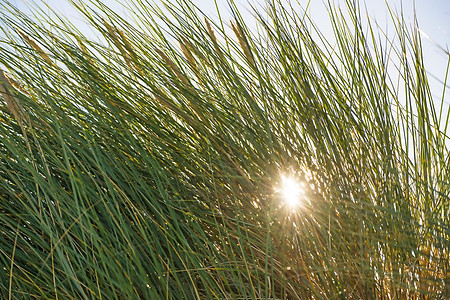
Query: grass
x,y
149,165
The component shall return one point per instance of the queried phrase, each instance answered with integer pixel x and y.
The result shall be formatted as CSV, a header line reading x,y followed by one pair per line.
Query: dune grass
x,y
148,165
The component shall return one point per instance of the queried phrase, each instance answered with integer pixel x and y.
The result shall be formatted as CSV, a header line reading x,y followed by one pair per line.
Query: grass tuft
x,y
154,163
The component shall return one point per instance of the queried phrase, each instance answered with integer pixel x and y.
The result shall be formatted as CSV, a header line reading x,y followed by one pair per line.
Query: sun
x,y
292,191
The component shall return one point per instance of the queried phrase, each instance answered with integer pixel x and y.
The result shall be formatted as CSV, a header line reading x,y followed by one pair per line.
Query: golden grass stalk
x,y
118,37
187,50
190,48
85,51
12,103
36,47
244,45
172,66
214,39
125,40
182,78
188,55
113,34
17,85
210,30
130,56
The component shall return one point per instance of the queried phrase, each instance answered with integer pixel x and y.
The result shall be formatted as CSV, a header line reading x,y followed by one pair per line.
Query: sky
x,y
433,17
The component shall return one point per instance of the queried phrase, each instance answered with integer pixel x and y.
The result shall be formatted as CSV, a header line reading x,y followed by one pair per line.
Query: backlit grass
x,y
152,165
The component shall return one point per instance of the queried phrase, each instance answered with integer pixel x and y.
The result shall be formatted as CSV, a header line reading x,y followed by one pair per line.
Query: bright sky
x,y
433,17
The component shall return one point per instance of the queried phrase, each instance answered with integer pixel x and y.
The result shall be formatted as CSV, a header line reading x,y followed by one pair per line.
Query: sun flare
x,y
292,191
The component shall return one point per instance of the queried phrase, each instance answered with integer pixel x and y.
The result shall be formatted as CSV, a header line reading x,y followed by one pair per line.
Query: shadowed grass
x,y
147,166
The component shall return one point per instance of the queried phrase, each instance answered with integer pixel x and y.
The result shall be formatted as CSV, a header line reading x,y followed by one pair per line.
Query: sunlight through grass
x,y
292,191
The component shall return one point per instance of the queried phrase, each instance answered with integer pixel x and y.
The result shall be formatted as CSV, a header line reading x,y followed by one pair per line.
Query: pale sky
x,y
433,18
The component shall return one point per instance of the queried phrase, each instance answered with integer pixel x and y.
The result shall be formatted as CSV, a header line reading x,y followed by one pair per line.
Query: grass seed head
x,y
85,51
172,66
214,39
112,35
210,30
242,42
130,56
36,47
122,43
189,57
187,54
125,40
17,85
12,103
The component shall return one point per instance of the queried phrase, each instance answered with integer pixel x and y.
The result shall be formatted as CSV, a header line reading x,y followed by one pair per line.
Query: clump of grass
x,y
152,167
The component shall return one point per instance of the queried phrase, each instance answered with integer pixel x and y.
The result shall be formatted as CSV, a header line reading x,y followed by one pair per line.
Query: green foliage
x,y
147,166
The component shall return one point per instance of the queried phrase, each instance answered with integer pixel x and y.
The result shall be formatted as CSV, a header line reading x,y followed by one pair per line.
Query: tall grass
x,y
148,166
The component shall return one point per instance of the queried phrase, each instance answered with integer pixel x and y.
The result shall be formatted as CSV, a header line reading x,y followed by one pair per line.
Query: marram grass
x,y
149,165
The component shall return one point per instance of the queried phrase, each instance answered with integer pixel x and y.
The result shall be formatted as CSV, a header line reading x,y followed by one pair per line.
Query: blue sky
x,y
433,17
